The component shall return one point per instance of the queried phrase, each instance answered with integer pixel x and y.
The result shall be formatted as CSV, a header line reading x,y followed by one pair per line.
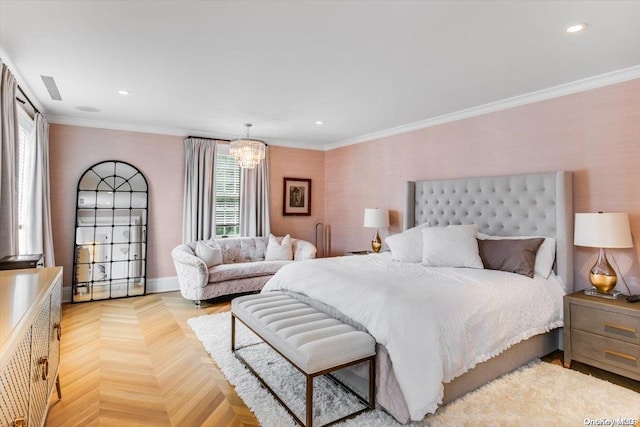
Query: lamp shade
x,y
376,218
602,230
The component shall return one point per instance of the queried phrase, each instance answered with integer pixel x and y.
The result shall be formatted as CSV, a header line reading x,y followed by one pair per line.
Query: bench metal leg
x,y
372,383
309,410
233,333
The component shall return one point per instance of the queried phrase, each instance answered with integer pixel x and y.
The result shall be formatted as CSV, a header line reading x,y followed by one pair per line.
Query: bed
x,y
446,348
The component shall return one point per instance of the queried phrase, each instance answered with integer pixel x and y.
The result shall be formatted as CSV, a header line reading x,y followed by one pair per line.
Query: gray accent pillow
x,y
511,255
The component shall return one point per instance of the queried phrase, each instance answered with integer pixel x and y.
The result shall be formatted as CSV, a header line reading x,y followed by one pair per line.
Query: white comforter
x,y
436,323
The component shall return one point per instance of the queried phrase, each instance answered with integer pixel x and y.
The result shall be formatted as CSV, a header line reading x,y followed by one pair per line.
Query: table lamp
x,y
376,218
603,230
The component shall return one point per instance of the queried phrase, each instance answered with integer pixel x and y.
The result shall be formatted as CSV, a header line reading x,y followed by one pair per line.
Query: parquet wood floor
x,y
136,361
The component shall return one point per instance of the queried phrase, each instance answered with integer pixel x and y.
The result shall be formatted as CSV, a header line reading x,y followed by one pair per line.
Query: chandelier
x,y
248,152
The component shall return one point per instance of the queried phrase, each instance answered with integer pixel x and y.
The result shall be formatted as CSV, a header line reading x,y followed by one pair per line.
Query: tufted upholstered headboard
x,y
513,205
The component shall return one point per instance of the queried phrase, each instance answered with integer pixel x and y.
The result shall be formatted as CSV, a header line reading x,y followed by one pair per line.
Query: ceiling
x,y
362,67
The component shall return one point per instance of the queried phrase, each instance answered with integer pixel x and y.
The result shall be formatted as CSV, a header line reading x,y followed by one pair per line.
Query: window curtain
x,y
38,232
254,200
199,211
9,140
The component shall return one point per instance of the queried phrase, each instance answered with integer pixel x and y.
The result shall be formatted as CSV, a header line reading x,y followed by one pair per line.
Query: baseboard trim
x,y
154,286
163,284
66,294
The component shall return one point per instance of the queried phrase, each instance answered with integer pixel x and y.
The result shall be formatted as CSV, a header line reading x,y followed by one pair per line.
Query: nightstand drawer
x,y
606,323
606,350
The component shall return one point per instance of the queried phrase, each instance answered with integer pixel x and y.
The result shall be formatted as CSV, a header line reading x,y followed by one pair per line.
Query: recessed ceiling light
x,y
576,28
123,92
319,122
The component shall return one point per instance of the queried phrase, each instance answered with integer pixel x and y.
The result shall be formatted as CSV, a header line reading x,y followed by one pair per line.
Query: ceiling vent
x,y
52,88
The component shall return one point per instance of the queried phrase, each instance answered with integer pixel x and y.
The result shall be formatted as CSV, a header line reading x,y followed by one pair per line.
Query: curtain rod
x,y
28,100
218,139
209,139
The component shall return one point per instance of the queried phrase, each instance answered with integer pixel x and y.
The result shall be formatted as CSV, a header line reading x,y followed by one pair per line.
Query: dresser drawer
x,y
606,323
606,350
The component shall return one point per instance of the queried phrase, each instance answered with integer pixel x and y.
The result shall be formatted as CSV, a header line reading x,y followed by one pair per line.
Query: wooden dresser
x,y
603,333
30,312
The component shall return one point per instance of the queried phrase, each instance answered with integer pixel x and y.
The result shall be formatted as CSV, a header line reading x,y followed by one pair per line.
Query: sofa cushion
x,y
243,249
209,252
243,270
279,248
302,250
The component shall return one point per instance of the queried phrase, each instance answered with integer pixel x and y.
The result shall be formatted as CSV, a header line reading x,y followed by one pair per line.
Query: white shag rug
x,y
538,394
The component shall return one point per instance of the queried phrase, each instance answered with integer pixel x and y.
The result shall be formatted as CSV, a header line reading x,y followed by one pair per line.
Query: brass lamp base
x,y
376,243
602,275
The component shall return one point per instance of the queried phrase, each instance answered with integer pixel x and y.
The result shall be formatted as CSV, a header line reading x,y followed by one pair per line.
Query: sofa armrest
x,y
192,271
303,250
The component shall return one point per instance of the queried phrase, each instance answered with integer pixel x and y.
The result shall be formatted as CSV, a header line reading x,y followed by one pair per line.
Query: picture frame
x,y
296,197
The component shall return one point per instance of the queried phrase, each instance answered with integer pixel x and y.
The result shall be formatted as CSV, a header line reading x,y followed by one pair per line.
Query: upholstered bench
x,y
313,342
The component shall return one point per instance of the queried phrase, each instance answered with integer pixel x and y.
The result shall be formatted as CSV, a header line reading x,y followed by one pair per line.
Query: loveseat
x,y
211,268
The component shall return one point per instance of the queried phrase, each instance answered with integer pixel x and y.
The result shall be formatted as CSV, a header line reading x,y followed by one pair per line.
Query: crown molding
x,y
129,127
21,82
588,83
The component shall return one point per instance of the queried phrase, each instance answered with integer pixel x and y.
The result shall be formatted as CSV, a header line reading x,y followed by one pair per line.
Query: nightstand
x,y
603,333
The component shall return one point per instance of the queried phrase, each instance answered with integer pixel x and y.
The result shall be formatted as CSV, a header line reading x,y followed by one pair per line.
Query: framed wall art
x,y
296,199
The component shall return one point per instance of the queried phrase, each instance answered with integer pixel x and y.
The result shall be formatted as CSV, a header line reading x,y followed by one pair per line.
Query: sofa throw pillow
x,y
279,248
545,256
451,246
407,246
209,252
511,255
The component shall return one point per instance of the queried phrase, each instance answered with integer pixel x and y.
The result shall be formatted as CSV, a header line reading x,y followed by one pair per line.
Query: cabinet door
x,y
55,333
39,365
14,384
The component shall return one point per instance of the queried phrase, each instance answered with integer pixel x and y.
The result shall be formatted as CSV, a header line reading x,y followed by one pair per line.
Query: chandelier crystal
x,y
247,152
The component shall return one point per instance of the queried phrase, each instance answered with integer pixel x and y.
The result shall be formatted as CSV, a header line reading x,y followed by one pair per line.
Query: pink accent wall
x,y
296,163
595,134
161,158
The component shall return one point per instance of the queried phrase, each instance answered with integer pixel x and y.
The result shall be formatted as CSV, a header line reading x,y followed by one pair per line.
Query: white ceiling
x,y
363,67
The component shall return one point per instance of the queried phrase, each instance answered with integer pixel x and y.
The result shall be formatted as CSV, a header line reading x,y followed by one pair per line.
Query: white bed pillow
x,y
451,246
407,246
279,248
545,257
210,252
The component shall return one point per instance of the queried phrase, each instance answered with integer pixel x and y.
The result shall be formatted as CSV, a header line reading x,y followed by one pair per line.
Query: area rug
x,y
538,394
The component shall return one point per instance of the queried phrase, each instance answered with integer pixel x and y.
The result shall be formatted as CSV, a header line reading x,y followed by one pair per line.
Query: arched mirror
x,y
111,233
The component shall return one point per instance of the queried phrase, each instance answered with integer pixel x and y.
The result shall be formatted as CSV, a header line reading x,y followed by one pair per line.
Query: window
x,y
25,154
227,193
